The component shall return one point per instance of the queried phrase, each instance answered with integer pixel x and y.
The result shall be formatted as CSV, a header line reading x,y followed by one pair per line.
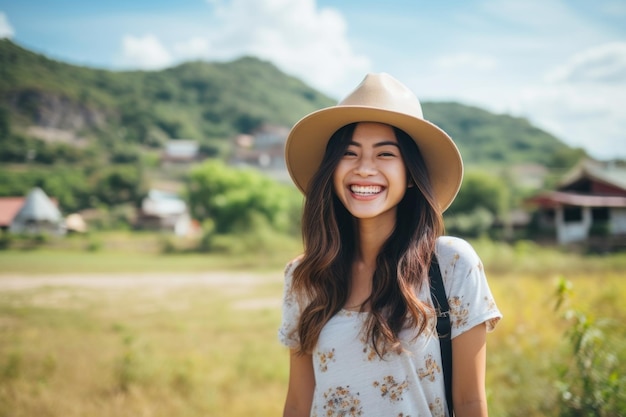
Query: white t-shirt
x,y
352,380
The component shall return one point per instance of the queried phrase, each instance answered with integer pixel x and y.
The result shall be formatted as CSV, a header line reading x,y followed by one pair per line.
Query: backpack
x,y
440,302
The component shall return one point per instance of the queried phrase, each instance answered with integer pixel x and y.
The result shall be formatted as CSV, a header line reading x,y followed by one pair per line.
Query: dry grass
x,y
184,350
196,345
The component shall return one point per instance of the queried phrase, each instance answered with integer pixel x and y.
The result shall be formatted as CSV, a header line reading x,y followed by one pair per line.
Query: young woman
x,y
357,310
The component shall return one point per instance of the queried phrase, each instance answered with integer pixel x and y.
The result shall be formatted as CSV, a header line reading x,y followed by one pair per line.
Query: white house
x,y
162,210
589,202
37,215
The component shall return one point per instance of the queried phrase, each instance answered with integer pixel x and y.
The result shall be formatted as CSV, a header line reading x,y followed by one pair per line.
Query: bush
x,y
592,379
234,199
475,223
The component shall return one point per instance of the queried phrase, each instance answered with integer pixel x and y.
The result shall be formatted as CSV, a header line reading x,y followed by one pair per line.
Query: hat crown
x,y
384,92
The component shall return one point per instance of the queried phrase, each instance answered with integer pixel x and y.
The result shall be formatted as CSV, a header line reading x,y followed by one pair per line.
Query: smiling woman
x,y
357,310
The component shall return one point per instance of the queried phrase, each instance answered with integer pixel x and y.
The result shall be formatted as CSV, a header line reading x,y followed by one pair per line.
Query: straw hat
x,y
383,99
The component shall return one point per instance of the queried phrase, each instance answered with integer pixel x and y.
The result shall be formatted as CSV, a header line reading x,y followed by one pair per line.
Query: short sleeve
x,y
469,296
288,331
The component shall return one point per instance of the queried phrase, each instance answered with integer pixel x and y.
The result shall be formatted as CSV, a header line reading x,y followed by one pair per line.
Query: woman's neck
x,y
371,235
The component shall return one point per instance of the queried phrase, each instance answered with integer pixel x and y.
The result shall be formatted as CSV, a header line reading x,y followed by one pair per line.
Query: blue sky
x,y
561,64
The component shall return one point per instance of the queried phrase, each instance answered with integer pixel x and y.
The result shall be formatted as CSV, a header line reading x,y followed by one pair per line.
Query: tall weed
x,y
592,380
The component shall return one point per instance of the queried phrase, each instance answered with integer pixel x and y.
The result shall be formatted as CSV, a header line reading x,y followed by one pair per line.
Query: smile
x,y
366,189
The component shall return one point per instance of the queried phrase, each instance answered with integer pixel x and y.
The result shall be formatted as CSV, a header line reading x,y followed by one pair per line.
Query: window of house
x,y
600,214
572,214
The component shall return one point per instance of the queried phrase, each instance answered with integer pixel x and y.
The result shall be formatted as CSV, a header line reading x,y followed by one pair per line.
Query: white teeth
x,y
366,189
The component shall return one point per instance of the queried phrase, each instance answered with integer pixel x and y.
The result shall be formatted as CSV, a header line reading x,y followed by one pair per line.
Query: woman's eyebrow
x,y
376,145
386,143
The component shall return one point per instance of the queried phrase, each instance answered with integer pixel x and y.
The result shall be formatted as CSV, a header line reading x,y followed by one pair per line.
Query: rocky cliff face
x,y
47,110
55,118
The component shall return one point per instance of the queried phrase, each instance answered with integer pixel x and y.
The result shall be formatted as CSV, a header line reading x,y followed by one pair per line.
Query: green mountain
x,y
500,139
208,102
196,100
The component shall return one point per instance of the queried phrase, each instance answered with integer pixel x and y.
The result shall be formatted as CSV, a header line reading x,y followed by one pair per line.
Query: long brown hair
x,y
322,278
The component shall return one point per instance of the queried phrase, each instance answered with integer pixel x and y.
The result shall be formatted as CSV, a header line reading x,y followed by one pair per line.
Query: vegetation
x,y
234,200
496,139
57,119
190,338
210,102
482,200
591,384
162,326
195,100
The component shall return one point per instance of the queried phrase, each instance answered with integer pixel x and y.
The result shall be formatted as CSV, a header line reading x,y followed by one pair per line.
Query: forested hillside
x,y
210,102
196,100
90,135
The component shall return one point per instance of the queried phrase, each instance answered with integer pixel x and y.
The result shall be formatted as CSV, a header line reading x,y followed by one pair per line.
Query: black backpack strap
x,y
440,302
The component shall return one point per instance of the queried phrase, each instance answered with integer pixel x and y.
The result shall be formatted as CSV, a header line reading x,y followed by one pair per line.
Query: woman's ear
x,y
410,183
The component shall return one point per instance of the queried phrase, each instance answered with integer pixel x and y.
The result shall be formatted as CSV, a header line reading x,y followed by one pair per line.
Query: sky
x,y
561,64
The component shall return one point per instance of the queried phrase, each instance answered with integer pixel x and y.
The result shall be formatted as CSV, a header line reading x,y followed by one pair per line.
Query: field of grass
x,y
207,347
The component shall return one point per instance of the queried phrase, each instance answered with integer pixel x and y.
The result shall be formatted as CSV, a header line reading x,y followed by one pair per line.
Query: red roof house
x,y
589,202
9,206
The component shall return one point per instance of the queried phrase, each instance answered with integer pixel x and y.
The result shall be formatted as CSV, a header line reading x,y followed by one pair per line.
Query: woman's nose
x,y
365,168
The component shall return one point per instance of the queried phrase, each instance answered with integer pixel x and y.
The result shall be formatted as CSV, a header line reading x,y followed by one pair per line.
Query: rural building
x,y
37,214
588,206
9,206
263,149
181,151
162,210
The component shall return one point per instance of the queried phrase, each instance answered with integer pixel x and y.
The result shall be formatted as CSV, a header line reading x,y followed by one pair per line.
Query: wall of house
x,y
617,222
572,231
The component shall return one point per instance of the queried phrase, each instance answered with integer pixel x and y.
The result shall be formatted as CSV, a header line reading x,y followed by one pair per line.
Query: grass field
x,y
140,334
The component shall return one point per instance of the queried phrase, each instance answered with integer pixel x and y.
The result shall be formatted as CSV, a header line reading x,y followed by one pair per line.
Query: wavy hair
x,y
322,278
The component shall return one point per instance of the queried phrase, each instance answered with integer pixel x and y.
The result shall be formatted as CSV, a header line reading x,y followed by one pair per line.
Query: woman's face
x,y
370,179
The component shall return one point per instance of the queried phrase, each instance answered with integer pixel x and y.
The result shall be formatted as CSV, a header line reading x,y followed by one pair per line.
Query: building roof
x,y
162,203
38,207
181,149
9,206
559,198
605,172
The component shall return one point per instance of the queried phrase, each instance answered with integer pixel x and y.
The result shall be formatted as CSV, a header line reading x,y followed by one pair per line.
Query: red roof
x,y
9,206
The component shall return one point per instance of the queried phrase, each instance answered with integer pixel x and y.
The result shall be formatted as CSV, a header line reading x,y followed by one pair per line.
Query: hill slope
x,y
487,138
196,100
210,102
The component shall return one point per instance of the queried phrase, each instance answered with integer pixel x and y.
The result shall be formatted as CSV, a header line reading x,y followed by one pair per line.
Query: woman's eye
x,y
349,153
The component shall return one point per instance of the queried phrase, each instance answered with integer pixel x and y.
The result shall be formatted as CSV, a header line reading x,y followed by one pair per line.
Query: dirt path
x,y
125,280
159,284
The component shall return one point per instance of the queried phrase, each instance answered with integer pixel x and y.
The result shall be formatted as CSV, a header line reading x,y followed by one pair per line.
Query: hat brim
x,y
306,144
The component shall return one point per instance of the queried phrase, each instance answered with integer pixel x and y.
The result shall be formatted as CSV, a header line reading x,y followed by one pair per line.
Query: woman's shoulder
x,y
455,249
292,264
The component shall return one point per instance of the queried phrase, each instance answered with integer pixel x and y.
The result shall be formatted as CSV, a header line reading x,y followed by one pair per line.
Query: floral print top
x,y
352,380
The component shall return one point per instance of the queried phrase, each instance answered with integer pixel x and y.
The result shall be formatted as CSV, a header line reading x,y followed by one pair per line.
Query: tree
x,y
481,189
5,124
483,198
234,199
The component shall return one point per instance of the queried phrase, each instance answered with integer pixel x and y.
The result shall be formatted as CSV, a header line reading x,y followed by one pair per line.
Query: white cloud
x,y
6,30
145,52
602,64
196,47
583,102
300,38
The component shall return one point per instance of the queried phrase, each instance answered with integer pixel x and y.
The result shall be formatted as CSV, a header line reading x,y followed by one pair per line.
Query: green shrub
x,y
592,379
